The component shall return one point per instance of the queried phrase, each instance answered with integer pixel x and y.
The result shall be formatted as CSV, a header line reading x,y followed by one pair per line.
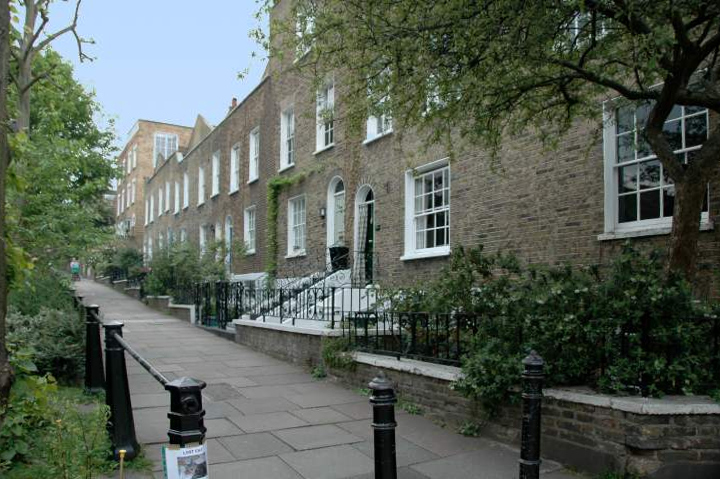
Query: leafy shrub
x,y
121,261
182,264
54,338
39,289
628,330
50,431
335,356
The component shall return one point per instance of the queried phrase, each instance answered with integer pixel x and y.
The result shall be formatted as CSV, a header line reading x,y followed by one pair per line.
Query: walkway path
x,y
268,419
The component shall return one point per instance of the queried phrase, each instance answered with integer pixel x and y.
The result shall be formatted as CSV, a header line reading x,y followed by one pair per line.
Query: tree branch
x,y
628,93
69,28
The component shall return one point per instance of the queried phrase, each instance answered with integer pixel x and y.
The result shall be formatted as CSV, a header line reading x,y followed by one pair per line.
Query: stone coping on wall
x,y
288,328
668,405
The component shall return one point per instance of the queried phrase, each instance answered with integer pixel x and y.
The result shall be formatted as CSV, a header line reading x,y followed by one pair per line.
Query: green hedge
x,y
627,329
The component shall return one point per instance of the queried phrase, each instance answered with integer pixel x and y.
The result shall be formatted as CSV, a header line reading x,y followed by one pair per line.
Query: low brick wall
x,y
133,292
674,437
182,311
298,346
161,303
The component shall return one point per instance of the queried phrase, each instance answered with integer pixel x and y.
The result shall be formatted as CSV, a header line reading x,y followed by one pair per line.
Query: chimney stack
x,y
233,104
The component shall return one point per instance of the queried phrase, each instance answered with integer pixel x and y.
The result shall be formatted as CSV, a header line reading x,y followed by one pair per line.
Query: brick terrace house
x,y
149,142
399,208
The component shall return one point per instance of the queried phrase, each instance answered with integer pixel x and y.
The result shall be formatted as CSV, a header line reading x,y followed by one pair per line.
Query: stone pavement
x,y
268,419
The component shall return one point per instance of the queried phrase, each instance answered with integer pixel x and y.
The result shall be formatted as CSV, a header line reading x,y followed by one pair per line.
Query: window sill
x,y
376,138
296,254
250,253
186,207
200,204
250,182
232,192
286,167
214,195
654,231
424,254
324,148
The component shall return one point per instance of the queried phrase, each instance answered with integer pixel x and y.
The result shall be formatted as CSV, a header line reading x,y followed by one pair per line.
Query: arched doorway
x,y
363,270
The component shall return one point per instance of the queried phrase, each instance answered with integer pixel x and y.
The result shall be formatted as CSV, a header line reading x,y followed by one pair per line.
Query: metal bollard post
x,y
186,411
94,374
532,405
383,401
117,395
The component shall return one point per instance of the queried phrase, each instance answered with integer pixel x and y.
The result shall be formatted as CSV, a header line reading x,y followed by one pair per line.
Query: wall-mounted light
x,y
322,212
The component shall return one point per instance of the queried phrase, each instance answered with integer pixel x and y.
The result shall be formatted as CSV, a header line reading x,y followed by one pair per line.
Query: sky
x,y
163,60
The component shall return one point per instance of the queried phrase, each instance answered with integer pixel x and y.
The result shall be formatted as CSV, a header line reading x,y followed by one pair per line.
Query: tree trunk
x,y
689,197
6,373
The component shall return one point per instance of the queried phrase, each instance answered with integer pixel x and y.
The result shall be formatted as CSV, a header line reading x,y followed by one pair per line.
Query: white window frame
x,y
202,239
297,224
411,249
287,139
134,190
169,138
304,26
613,229
229,238
160,202
325,137
133,151
378,126
215,174
152,208
186,190
234,168
250,229
177,198
254,155
122,200
167,196
201,185
147,211
128,192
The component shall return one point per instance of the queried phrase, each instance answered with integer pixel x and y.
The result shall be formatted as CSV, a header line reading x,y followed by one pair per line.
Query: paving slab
x,y
267,422
329,463
312,437
269,419
249,446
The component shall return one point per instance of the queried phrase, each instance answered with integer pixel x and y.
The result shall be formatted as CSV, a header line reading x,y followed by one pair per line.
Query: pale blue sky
x,y
163,60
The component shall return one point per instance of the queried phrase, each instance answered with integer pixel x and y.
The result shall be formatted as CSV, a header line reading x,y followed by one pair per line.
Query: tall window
x,y
186,190
147,211
134,190
229,234
325,121
254,160
296,226
177,197
160,202
167,196
249,230
338,234
122,200
201,185
203,238
183,235
134,156
379,124
287,139
639,194
152,208
427,211
128,192
215,174
165,145
234,168
304,27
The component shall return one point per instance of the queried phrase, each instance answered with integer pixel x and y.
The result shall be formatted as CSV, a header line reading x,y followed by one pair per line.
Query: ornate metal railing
x,y
433,337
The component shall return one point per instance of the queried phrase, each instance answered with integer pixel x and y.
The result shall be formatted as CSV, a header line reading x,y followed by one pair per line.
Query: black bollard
x,y
186,412
532,405
383,401
94,375
122,426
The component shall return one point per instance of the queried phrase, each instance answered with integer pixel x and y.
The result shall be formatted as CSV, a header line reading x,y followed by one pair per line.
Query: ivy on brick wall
x,y
275,187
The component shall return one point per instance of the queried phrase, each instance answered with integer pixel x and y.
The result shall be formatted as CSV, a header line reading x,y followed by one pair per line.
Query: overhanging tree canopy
x,y
490,68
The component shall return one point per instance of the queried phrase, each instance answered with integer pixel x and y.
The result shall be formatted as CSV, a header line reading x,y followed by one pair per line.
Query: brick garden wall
x,y
589,437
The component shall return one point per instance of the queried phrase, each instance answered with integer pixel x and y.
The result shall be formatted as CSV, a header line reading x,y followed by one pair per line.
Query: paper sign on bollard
x,y
185,463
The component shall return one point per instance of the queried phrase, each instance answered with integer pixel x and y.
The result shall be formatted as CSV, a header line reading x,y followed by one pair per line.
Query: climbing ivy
x,y
275,186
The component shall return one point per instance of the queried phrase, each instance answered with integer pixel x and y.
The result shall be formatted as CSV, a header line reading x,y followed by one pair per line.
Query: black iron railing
x,y
432,337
